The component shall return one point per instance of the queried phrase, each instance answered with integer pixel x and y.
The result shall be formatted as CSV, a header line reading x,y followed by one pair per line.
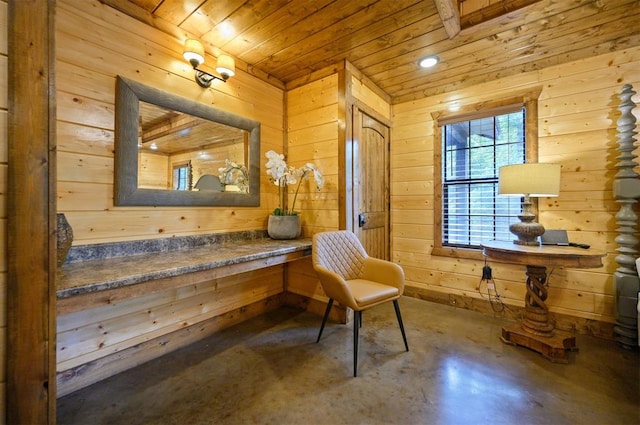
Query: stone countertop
x,y
98,275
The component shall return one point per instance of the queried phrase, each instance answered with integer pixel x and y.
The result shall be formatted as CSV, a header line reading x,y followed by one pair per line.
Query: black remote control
x,y
579,245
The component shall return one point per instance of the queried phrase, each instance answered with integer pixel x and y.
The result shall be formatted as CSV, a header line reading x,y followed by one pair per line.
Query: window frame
x,y
528,100
186,165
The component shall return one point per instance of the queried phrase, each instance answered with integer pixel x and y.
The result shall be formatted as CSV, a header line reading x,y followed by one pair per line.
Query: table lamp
x,y
528,180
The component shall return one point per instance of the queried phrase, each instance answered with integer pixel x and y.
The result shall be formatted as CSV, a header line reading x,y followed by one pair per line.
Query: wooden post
x,y
626,191
31,213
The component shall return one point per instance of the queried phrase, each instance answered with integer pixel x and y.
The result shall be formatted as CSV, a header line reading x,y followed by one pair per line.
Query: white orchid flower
x,y
283,175
234,174
276,166
319,178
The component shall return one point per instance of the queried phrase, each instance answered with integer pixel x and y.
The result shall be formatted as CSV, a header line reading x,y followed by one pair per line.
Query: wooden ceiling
x,y
476,40
169,132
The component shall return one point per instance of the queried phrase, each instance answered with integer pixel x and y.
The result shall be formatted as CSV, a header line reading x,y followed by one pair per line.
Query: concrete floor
x,y
269,370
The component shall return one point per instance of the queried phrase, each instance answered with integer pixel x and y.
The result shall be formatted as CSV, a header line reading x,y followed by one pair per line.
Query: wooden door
x,y
371,184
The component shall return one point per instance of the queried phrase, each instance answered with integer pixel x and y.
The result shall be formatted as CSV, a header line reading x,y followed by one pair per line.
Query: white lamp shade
x,y
536,180
226,66
193,51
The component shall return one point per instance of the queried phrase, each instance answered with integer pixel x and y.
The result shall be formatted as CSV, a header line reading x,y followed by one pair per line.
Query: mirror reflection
x,y
174,151
178,151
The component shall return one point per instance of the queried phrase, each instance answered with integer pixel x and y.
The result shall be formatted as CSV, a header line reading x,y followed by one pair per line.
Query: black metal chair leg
x,y
324,319
356,327
399,316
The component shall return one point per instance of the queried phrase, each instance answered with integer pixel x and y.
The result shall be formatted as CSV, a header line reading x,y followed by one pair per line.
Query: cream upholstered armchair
x,y
348,275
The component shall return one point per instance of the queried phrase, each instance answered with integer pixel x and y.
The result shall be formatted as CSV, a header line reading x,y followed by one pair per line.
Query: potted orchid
x,y
233,174
284,222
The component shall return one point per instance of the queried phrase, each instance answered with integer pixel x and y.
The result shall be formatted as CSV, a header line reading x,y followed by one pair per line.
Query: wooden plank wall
x,y
153,170
114,337
87,65
3,206
314,126
365,95
100,342
312,136
577,129
156,169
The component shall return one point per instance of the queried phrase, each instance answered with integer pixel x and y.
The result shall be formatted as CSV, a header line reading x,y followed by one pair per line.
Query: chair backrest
x,y
340,252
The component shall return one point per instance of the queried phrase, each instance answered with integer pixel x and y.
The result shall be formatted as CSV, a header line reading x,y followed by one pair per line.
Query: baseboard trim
x,y
564,322
87,374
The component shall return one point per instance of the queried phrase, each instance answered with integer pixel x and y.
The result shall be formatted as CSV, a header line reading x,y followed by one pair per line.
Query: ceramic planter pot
x,y
284,226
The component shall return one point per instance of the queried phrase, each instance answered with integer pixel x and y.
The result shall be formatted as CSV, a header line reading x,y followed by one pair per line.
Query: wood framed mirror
x,y
169,149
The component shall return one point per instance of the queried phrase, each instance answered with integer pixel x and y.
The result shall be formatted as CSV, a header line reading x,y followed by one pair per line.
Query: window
x,y
470,149
472,153
182,176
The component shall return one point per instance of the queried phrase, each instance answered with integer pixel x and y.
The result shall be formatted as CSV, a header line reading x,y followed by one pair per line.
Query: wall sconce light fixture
x,y
194,54
533,180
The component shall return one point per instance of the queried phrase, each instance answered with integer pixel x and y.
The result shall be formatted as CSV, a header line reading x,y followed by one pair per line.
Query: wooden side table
x,y
536,332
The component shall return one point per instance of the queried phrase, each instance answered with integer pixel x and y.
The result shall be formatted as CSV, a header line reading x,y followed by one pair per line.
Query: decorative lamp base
x,y
527,230
527,233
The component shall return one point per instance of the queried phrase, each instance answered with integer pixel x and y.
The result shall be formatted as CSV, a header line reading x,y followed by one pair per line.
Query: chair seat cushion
x,y
367,292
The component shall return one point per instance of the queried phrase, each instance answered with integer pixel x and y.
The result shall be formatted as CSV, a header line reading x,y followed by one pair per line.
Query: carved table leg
x,y
536,332
536,313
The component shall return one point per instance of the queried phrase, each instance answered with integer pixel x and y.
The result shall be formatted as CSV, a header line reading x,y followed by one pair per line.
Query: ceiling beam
x,y
168,126
449,15
493,10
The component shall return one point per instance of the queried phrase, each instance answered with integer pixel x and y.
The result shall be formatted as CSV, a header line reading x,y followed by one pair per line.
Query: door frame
x,y
30,394
346,102
359,119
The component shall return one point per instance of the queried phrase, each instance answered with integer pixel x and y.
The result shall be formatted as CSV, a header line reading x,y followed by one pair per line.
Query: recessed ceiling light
x,y
227,29
428,62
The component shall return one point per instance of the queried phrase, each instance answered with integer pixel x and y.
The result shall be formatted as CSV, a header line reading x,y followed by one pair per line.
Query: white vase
x,y
284,226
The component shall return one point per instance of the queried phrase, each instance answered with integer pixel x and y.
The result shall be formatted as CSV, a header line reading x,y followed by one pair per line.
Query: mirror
x,y
168,150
